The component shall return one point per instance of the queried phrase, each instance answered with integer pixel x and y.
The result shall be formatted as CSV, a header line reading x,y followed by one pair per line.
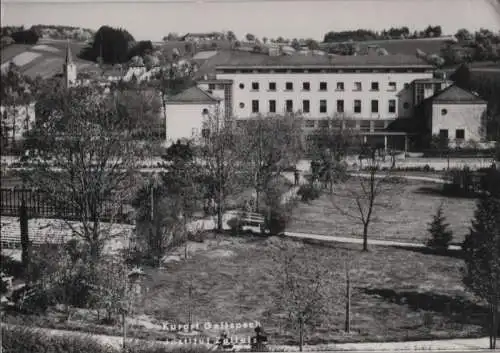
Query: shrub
x,y
441,236
277,219
25,37
308,193
235,225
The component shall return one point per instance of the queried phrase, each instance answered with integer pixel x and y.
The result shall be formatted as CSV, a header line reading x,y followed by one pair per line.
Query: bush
x,y
25,37
308,193
277,220
441,236
235,225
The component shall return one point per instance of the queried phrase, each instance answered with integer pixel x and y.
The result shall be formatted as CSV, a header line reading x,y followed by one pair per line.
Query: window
x,y
306,86
374,106
337,124
444,111
204,111
340,106
324,123
242,105
322,106
374,86
255,106
289,86
242,85
392,86
357,106
340,86
272,106
310,123
255,86
323,86
350,124
392,105
378,125
211,86
306,106
407,85
443,134
406,105
460,134
427,85
358,86
272,86
364,125
289,106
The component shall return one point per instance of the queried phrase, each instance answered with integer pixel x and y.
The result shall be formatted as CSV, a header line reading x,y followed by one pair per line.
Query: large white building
x,y
368,92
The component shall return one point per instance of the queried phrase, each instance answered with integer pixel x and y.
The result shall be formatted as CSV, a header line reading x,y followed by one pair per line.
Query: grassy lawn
x,y
406,218
397,294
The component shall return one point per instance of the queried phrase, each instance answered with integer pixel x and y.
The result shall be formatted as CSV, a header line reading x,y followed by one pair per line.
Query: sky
x,y
151,20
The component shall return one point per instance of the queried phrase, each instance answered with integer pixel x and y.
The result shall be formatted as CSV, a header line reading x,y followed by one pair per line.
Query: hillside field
x,y
46,58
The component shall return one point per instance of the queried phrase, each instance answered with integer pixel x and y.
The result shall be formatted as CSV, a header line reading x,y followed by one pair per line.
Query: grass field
x,y
397,294
410,209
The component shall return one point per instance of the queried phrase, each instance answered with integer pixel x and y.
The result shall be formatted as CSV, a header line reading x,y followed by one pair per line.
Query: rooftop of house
x,y
456,95
239,59
193,95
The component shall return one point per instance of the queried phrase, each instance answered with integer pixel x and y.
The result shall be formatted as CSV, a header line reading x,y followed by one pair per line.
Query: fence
x,y
38,206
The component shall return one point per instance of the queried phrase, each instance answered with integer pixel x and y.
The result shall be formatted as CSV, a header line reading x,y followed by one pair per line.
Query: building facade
x,y
367,93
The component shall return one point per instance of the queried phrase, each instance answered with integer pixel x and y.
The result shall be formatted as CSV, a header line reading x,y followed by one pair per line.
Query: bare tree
x,y
267,146
86,160
305,286
365,194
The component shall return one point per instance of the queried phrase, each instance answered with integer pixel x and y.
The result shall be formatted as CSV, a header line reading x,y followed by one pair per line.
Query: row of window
x,y
323,106
323,86
459,134
363,125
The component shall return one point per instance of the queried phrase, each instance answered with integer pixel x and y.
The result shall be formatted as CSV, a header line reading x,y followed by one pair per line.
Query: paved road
x,y
350,240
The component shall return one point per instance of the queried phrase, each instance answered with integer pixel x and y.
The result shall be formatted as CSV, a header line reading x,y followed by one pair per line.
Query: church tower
x,y
69,69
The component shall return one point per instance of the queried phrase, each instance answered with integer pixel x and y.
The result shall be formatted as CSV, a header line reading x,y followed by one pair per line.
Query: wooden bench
x,y
250,219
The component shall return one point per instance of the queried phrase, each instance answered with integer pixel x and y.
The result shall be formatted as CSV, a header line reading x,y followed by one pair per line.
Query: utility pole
x,y
347,327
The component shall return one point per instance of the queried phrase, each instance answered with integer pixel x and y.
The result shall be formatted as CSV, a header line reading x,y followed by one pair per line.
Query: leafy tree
x,y
250,37
441,236
231,36
330,145
267,146
221,157
142,48
110,44
295,44
312,44
25,37
85,158
482,254
462,77
463,35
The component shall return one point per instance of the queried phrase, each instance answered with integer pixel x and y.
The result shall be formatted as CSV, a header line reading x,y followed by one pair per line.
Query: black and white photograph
x,y
209,176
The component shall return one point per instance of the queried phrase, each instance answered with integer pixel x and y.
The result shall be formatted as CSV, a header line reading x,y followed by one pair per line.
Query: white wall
x,y
246,95
185,120
458,116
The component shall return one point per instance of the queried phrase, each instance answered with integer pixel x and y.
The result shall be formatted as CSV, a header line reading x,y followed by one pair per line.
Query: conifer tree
x,y
482,254
441,235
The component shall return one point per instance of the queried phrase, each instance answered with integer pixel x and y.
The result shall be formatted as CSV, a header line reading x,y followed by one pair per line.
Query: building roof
x,y
239,59
193,95
456,95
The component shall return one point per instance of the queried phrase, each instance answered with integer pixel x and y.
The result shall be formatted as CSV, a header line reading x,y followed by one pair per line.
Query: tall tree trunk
x,y
348,300
124,332
301,334
365,237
